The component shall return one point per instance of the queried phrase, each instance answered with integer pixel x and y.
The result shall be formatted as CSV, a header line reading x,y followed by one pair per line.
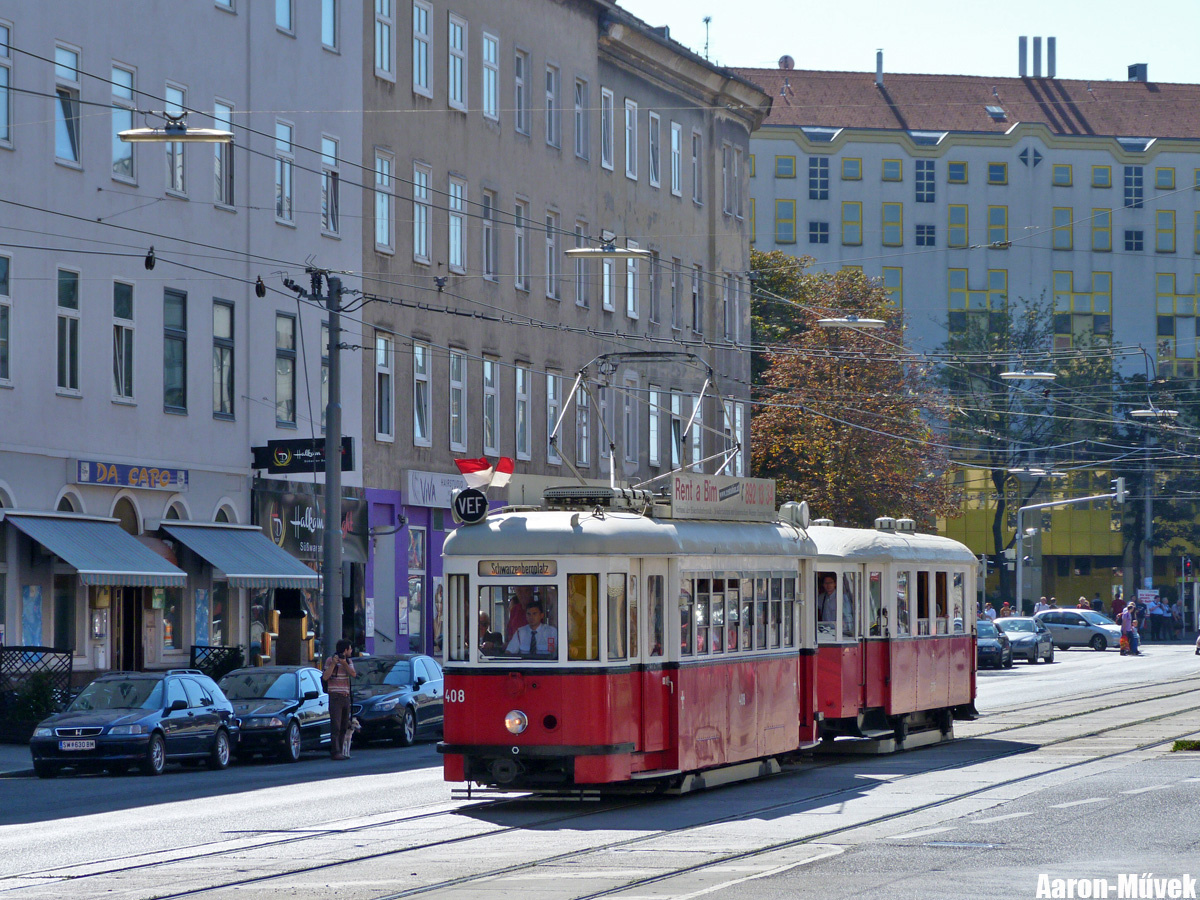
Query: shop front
x,y
420,601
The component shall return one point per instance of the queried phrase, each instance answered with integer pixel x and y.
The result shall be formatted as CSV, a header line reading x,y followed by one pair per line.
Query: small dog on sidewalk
x,y
348,737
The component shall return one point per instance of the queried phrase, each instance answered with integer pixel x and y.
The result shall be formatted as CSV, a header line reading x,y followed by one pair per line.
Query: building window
x,y
523,424
488,235
458,401
607,124
553,113
455,229
222,359
676,430
420,233
1134,240
697,299
284,163
1164,231
583,427
851,223
521,245
1164,178
893,224
384,28
926,235
997,173
174,351
925,181
655,150
491,407
739,432
176,98
1133,187
421,14
5,316
1060,175
553,407
329,24
818,178
629,419
731,312
330,186
68,331
1083,317
582,119
818,232
285,370
582,270
1195,244
223,157
753,221
631,140
966,304
851,169
956,172
653,279
893,169
697,169
284,16
384,236
385,429
6,86
653,398
893,283
696,438
676,159
122,119
552,260
607,276
785,167
1102,230
607,433
632,287
737,182
491,77
785,221
66,104
1101,176
957,225
521,91
1064,220
676,292
997,225
421,396
122,341
456,64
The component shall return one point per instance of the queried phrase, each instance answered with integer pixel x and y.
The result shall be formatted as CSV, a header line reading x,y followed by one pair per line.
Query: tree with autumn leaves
x,y
841,414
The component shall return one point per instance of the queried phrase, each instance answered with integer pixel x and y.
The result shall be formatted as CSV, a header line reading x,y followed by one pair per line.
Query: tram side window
x,y
633,618
776,612
941,602
618,617
654,599
732,616
703,589
789,606
746,620
583,617
686,614
827,605
717,609
762,585
510,624
958,599
849,599
458,619
902,603
875,613
922,602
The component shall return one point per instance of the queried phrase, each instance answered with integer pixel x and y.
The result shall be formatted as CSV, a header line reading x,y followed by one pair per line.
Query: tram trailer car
x,y
669,647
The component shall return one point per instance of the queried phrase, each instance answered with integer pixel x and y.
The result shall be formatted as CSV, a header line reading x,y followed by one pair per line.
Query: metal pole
x,y
1020,558
1148,514
331,564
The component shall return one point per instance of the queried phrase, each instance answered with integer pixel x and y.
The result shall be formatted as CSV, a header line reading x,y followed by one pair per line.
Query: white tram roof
x,y
861,544
556,533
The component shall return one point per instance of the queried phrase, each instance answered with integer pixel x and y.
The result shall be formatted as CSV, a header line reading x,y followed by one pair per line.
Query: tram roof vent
x,y
906,526
582,496
885,523
823,522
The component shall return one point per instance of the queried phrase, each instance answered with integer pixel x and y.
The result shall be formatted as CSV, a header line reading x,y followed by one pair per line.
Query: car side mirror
x,y
176,705
420,680
311,695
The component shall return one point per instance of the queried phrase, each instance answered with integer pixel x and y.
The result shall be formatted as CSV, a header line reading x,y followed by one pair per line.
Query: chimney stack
x,y
1037,57
1022,55
1139,72
879,68
1051,54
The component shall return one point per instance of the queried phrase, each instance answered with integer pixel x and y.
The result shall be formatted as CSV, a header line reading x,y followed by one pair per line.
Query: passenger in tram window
x,y
518,602
535,638
901,617
490,641
827,597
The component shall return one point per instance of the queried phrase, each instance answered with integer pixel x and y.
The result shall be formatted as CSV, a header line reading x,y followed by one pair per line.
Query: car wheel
x,y
291,744
45,769
1050,656
1009,662
218,758
1099,643
156,756
408,728
1062,647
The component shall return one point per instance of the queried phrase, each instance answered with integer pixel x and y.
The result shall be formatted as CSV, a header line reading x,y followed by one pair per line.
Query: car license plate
x,y
76,745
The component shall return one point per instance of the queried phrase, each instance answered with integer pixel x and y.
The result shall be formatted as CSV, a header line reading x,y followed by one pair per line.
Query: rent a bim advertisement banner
x,y
722,497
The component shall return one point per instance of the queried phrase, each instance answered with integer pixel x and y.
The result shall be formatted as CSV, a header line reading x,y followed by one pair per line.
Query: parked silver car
x,y
1030,639
1080,628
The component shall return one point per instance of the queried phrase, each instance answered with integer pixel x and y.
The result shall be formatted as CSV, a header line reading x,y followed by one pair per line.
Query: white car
x,y
1080,628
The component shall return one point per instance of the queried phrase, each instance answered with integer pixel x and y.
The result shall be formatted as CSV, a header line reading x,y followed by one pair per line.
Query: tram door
x,y
658,724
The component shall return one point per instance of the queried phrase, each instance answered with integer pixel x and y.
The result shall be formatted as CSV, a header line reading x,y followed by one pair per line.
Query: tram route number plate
x,y
76,745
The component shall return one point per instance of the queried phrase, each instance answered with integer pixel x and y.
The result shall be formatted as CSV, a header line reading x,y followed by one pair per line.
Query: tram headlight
x,y
516,721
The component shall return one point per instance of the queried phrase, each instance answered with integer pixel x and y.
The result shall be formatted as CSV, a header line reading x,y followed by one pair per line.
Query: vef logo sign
x,y
470,506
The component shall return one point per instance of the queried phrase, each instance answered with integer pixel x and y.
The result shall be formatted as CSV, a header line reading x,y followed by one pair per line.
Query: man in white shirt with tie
x,y
535,638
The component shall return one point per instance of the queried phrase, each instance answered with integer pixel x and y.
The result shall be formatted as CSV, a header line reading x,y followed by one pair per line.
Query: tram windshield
x,y
518,620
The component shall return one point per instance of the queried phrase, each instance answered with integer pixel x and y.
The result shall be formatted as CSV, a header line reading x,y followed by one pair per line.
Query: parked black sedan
x,y
1030,639
992,647
398,697
282,709
146,718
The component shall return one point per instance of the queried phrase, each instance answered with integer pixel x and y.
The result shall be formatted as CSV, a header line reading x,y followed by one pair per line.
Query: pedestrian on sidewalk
x,y
339,669
1129,625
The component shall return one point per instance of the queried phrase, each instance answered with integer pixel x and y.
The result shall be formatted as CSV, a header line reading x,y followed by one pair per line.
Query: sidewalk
x,y
15,760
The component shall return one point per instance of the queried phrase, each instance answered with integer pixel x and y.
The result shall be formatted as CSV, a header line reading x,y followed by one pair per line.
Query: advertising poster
x,y
201,639
438,607
31,615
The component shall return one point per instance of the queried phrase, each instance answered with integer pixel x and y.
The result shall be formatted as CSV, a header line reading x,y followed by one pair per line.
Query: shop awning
x,y
243,554
100,551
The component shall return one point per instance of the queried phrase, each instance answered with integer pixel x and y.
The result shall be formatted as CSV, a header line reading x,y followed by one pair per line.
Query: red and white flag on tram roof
x,y
481,474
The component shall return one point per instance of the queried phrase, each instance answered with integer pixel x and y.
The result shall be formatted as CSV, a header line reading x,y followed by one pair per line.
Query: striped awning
x,y
100,551
243,555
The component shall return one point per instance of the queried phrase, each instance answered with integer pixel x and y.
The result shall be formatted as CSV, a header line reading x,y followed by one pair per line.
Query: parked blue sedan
x,y
283,710
398,697
1030,639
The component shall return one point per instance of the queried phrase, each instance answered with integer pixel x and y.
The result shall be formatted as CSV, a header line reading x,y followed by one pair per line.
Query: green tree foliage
x,y
841,420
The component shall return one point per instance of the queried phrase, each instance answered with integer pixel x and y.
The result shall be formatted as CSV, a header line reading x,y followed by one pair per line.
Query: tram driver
x,y
536,638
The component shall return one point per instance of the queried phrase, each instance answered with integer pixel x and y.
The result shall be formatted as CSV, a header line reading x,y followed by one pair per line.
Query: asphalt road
x,y
1064,775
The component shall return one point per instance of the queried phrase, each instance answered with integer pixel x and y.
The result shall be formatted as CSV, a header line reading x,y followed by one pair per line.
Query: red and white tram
x,y
618,639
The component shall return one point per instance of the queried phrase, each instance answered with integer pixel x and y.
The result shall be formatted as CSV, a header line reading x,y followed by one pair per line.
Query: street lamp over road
x,y
175,131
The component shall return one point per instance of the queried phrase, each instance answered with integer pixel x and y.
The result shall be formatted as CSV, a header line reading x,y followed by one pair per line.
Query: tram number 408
x,y
456,696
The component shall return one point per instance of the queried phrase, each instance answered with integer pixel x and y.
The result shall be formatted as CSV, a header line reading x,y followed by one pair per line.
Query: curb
x,y
17,773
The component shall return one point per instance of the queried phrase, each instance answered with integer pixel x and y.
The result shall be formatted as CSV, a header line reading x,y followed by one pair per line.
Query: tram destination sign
x,y
517,568
722,497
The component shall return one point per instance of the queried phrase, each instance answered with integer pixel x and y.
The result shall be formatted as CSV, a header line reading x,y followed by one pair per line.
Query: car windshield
x,y
1096,618
372,672
259,685
985,629
127,693
1009,625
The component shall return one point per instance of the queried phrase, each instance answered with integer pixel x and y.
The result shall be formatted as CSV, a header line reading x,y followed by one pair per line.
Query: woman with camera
x,y
339,669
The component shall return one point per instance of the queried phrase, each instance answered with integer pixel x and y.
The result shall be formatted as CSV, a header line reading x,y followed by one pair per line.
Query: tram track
x,y
117,865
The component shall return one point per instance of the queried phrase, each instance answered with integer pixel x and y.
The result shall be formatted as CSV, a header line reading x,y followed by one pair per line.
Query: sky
x,y
1097,39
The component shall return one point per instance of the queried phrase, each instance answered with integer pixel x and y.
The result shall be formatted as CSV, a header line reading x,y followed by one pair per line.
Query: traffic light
x,y
1187,568
1119,493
